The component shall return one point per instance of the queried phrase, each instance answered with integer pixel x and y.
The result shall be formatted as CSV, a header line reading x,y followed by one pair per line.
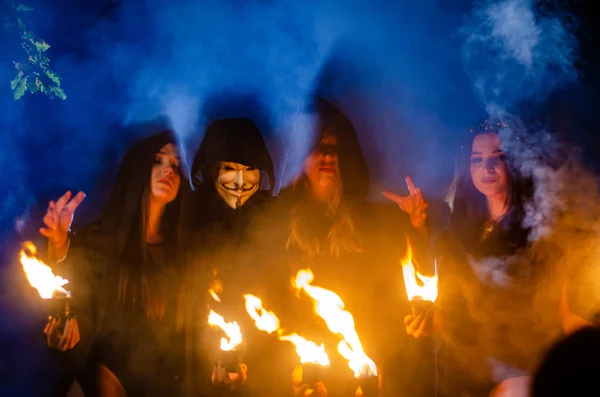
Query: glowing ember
x,y
308,351
40,275
428,288
214,295
232,330
265,320
215,287
330,307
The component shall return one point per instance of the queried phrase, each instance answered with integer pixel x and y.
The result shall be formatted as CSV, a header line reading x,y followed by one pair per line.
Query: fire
x,y
428,288
214,295
40,275
308,351
265,320
232,330
215,287
330,307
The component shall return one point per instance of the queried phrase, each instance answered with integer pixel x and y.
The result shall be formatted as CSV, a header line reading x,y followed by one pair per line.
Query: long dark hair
x,y
140,277
125,218
469,208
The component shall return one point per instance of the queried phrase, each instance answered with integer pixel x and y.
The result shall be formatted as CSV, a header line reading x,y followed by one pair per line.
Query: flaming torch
x,y
422,290
330,307
312,356
51,288
41,277
229,361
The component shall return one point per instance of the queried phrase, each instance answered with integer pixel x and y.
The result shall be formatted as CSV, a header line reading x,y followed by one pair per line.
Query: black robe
x,y
370,283
499,303
220,231
146,355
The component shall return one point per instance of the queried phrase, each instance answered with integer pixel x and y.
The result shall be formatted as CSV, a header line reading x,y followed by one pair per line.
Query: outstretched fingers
x,y
75,202
412,189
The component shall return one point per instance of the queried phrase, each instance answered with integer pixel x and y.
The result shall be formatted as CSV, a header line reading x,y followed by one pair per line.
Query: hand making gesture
x,y
58,220
414,204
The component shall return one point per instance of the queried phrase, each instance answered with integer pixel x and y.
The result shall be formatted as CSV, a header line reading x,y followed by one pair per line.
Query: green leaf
x,y
33,72
41,46
43,61
23,7
53,76
15,82
21,89
59,92
32,88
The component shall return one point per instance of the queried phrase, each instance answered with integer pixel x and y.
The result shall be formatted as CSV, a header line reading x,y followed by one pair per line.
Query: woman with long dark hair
x,y
127,279
501,300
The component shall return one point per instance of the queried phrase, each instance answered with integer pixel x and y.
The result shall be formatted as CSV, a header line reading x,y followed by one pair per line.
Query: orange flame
x,y
428,288
308,351
232,330
330,307
214,295
265,320
40,275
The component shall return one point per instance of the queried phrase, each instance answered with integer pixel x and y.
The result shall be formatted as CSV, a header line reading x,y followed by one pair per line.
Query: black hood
x,y
123,205
237,140
353,166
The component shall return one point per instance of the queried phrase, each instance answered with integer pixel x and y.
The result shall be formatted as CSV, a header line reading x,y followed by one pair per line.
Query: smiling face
x,y
322,167
488,167
165,176
236,183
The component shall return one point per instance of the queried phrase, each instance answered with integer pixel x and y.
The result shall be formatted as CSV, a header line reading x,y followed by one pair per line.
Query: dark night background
x,y
403,71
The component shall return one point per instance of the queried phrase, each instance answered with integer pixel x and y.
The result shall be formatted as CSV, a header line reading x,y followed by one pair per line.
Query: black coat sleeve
x,y
85,278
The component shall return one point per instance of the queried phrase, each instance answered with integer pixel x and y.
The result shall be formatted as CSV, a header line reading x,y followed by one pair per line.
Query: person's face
x,y
236,183
321,166
165,178
488,168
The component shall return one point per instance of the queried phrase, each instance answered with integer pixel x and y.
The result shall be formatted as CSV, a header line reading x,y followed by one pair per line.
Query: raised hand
x,y
414,204
57,221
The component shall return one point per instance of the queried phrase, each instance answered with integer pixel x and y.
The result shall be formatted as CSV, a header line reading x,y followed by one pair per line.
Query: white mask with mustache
x,y
236,183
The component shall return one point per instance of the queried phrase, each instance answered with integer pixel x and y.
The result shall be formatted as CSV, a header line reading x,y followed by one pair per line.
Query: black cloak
x,y
235,140
369,281
97,255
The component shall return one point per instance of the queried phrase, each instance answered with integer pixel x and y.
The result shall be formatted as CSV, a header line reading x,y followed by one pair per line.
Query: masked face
x,y
236,183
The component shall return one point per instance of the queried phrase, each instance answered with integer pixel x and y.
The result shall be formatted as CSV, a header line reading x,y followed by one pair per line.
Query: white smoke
x,y
513,52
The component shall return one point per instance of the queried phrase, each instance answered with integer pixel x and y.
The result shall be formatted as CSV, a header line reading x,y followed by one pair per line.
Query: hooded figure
x,y
233,175
127,285
233,178
323,222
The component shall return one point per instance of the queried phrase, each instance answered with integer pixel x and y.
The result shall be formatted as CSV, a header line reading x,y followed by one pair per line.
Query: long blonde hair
x,y
342,236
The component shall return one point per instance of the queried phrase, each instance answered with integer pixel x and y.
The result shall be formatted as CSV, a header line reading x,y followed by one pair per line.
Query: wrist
x,y
58,245
58,252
